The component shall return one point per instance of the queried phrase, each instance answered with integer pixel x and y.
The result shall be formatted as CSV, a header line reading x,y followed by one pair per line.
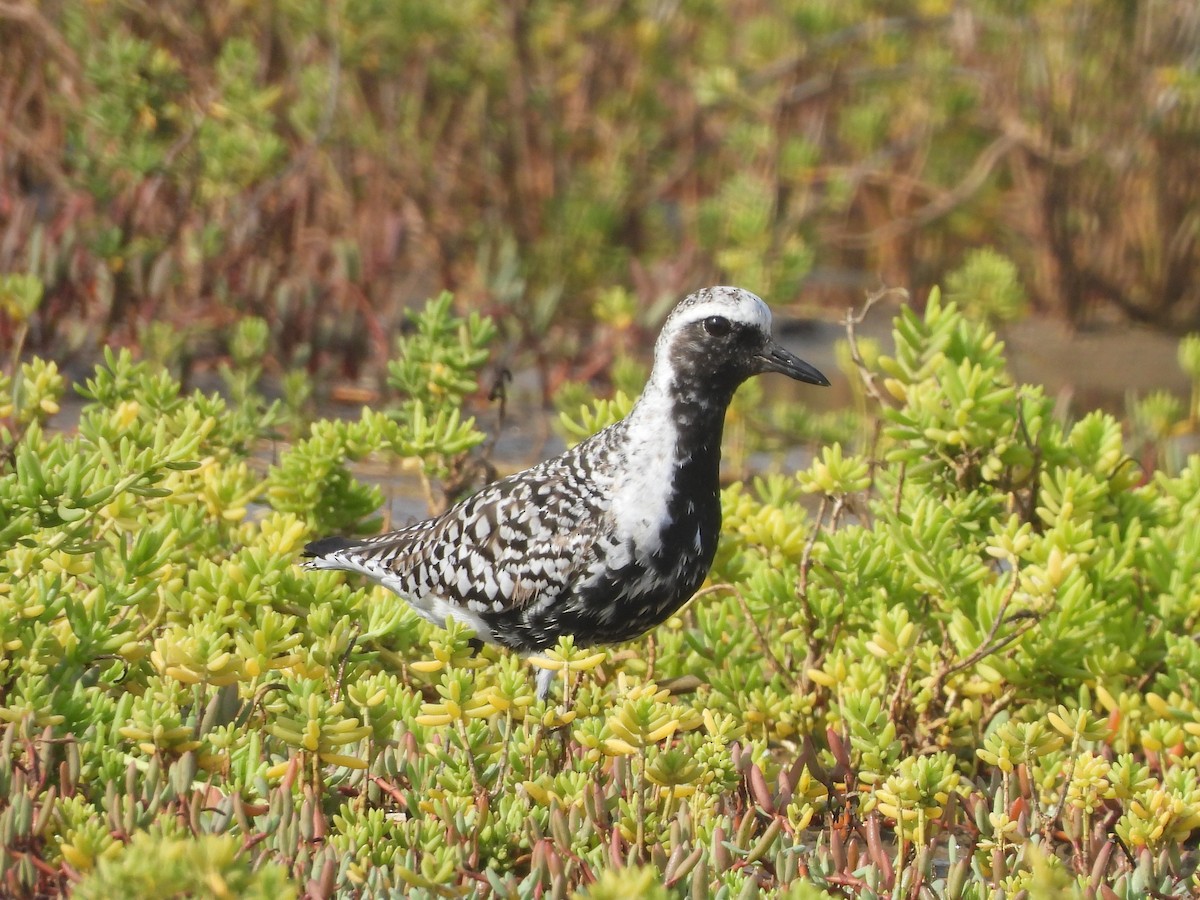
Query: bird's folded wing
x,y
518,541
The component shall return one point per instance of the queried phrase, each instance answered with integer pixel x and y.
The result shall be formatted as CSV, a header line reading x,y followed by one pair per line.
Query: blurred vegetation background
x,y
168,167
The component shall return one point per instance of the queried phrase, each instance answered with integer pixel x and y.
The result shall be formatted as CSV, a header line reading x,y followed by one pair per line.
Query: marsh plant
x,y
956,660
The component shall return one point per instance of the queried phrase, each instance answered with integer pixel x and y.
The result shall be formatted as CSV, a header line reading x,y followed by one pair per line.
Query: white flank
x,y
433,609
436,610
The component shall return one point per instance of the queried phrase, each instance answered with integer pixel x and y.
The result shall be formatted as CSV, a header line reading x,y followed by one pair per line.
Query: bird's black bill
x,y
774,358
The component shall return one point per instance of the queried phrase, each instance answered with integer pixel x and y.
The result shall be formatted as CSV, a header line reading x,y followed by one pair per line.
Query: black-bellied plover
x,y
609,539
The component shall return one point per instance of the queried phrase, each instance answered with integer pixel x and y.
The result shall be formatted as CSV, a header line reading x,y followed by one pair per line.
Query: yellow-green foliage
x,y
207,866
926,662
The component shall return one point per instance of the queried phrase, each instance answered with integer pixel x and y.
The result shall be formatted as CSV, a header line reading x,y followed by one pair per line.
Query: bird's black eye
x,y
717,326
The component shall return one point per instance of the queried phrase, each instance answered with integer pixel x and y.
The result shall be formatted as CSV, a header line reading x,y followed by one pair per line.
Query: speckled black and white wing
x,y
524,539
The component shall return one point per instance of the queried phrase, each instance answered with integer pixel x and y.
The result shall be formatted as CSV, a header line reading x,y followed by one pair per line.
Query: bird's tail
x,y
326,545
321,551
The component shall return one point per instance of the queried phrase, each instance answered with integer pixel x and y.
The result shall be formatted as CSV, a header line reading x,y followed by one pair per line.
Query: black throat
x,y
695,503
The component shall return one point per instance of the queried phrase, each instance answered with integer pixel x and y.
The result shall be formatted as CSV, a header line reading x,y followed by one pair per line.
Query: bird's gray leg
x,y
545,678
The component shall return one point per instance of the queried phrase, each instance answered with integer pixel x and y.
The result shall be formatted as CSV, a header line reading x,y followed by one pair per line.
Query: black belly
x,y
609,611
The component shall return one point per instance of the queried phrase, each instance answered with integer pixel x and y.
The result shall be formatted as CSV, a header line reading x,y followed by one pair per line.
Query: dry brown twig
x,y
853,320
768,654
991,644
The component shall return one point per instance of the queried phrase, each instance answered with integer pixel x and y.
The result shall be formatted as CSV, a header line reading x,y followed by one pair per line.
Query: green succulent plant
x,y
967,641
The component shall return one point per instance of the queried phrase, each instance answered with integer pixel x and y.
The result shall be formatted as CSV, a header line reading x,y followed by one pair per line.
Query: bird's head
x,y
718,337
